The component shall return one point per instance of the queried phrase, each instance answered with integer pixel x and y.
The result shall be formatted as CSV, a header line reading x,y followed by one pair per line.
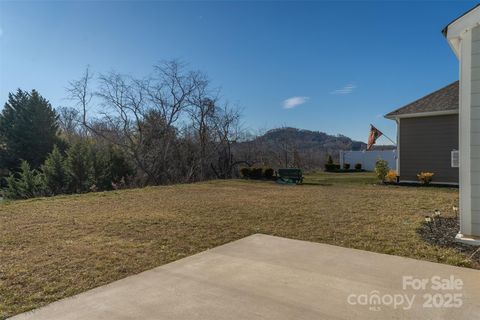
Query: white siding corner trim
x,y
398,146
464,132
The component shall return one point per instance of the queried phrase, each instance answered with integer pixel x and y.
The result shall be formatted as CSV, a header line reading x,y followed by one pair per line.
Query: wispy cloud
x,y
1,32
346,89
293,102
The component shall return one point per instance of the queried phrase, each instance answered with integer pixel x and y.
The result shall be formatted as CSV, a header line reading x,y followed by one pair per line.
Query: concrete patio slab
x,y
265,277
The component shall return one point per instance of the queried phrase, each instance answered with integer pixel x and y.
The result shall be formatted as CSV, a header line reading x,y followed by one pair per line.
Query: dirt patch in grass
x,y
56,247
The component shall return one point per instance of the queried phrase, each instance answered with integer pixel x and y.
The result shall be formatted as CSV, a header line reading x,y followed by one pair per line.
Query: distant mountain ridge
x,y
304,140
291,147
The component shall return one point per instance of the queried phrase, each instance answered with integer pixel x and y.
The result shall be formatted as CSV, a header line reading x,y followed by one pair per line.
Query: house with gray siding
x,y
427,136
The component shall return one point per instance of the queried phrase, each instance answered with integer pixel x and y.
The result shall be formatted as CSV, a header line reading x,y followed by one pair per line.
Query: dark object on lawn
x,y
346,166
293,175
268,173
358,166
246,172
256,173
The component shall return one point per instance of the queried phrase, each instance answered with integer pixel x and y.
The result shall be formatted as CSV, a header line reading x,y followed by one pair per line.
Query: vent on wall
x,y
454,159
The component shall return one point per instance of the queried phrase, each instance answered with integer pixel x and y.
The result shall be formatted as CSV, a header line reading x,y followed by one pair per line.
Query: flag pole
x,y
383,134
389,139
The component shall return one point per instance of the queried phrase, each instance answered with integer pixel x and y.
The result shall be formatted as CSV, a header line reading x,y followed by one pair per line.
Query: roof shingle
x,y
443,99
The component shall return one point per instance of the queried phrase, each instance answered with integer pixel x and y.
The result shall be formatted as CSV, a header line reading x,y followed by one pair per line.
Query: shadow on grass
x,y
442,231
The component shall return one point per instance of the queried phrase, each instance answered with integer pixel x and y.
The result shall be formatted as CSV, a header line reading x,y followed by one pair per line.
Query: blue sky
x,y
327,66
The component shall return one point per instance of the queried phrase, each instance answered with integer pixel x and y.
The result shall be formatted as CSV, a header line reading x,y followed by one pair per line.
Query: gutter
x,y
421,114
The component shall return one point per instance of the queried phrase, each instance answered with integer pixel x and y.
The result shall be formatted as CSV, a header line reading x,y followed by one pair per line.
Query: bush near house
x,y
358,166
381,169
346,166
425,177
391,176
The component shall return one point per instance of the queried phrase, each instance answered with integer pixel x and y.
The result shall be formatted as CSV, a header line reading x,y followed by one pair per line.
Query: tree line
x,y
120,131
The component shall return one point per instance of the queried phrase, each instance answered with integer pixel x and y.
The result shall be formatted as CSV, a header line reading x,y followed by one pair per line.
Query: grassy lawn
x,y
51,248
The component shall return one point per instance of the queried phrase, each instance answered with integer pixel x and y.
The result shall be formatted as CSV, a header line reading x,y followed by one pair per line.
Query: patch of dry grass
x,y
51,248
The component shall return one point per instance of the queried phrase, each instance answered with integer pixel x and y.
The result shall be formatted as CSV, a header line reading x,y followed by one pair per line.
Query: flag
x,y
372,138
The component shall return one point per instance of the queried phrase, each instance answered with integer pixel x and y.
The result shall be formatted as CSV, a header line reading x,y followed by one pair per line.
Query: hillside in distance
x,y
306,139
293,147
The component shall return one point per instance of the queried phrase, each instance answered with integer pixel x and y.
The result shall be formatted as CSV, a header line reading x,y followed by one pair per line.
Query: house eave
x,y
421,114
455,30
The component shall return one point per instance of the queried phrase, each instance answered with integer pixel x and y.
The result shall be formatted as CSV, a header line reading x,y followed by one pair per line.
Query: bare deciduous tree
x,y
169,123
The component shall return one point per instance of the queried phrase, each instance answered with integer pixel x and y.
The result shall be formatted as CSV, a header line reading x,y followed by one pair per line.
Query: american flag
x,y
372,138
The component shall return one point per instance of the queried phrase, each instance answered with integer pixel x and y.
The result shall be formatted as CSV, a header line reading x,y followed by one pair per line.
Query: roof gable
x,y
453,32
442,100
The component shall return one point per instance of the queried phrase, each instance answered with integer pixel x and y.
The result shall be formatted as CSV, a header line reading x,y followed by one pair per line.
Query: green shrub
x,y
381,169
56,174
246,172
12,191
330,165
29,184
121,168
101,169
80,167
268,173
110,168
358,166
256,173
346,166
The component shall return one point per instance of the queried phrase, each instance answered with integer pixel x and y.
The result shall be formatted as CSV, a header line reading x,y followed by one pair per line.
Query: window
x,y
455,159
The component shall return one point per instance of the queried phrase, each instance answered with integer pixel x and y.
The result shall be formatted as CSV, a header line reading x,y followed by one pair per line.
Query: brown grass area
x,y
51,248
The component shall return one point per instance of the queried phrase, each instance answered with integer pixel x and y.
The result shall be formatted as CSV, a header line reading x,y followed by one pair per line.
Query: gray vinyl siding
x,y
475,132
426,144
475,218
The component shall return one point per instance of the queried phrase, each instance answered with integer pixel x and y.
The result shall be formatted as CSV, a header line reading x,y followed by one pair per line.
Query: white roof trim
x,y
422,114
456,29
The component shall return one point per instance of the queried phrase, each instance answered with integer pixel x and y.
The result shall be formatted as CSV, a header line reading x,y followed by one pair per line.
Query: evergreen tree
x,y
80,167
110,167
102,168
57,177
30,183
28,130
121,168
